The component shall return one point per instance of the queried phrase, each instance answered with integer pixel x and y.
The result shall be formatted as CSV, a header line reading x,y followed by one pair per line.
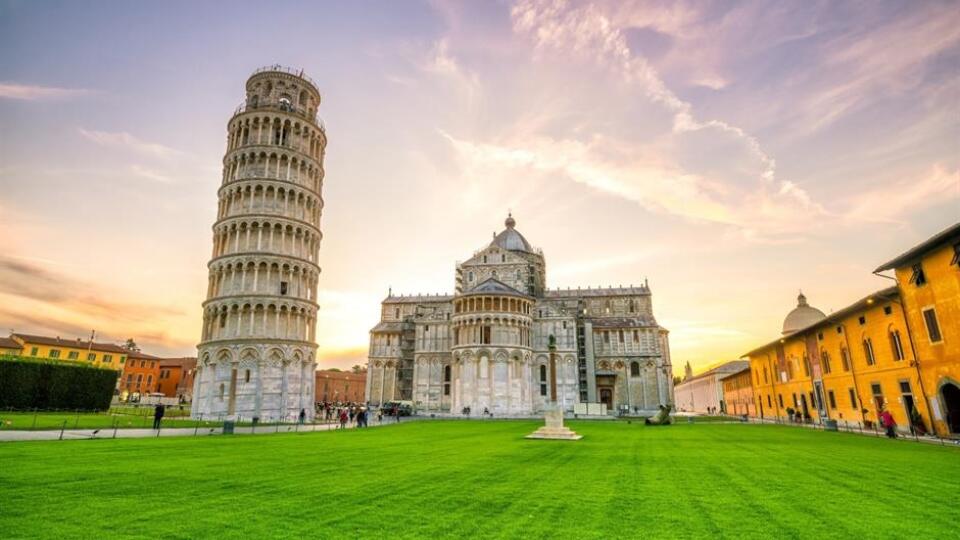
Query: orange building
x,y
738,393
928,282
340,386
176,377
846,366
141,372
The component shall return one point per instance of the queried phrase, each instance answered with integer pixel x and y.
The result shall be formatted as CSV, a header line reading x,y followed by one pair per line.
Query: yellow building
x,y
928,279
846,366
9,346
105,355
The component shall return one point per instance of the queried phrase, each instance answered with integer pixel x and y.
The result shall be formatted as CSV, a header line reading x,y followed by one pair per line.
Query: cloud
x,y
28,92
438,61
30,284
149,174
895,201
126,141
661,172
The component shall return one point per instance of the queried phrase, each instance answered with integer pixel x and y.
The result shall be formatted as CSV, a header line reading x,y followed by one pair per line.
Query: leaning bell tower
x,y
257,353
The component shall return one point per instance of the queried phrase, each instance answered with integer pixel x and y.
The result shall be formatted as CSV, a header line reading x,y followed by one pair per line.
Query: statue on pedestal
x,y
553,427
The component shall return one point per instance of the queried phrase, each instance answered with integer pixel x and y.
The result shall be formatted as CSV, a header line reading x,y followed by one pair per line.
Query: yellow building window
x,y
54,353
107,358
73,355
33,351
91,357
933,326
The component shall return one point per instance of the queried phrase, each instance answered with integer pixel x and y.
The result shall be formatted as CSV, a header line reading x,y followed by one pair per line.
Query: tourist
x,y
886,419
343,419
380,415
157,415
396,413
303,416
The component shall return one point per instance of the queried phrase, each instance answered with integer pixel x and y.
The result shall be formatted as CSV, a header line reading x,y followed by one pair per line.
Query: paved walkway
x,y
107,433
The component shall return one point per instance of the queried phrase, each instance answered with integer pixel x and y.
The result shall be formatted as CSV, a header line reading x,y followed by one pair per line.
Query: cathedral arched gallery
x,y
487,347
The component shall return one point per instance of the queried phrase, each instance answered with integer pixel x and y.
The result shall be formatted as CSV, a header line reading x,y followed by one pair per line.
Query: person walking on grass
x,y
396,413
303,415
343,419
380,415
886,419
157,415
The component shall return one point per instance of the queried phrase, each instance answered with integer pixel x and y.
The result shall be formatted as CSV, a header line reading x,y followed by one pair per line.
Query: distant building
x,y
738,393
10,346
333,386
105,355
704,392
176,377
141,374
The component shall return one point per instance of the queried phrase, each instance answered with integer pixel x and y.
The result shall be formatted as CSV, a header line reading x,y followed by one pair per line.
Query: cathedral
x,y
487,347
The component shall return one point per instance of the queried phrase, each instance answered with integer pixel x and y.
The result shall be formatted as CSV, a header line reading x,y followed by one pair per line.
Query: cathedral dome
x,y
802,316
510,239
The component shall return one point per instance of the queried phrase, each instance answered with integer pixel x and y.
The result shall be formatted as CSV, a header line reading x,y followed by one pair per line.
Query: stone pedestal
x,y
553,427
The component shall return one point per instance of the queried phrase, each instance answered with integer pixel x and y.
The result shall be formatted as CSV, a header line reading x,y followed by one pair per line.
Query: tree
x,y
677,380
357,368
131,345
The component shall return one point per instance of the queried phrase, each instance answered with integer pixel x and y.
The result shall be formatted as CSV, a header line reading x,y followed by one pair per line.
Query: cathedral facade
x,y
487,347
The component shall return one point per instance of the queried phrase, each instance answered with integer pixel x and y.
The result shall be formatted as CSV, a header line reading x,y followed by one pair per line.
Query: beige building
x,y
487,346
703,393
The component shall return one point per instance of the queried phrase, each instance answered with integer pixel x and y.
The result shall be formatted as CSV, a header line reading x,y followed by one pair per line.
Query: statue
x,y
553,427
662,418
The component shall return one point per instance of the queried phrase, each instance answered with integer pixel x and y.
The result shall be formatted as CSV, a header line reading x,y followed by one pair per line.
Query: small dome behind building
x,y
802,316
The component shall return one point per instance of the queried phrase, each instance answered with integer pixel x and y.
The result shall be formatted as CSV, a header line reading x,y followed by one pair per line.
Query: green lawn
x,y
482,479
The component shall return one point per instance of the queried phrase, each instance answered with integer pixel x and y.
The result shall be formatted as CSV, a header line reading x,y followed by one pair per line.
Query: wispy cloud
x,y
751,197
126,141
27,92
150,174
893,202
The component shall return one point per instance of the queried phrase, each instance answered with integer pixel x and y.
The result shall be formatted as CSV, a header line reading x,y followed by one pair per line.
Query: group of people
x,y
353,414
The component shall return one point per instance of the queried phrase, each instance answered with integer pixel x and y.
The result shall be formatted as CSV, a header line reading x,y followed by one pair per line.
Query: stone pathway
x,y
107,433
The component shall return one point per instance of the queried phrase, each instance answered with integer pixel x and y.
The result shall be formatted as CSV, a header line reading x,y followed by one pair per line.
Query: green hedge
x,y
27,383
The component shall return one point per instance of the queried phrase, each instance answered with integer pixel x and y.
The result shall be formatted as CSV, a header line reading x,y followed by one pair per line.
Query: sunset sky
x,y
730,152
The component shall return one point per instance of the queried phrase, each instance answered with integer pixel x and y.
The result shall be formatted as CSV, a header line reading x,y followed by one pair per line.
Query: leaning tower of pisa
x,y
256,357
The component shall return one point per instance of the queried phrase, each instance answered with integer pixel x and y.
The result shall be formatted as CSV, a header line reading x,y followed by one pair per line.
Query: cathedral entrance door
x,y
606,397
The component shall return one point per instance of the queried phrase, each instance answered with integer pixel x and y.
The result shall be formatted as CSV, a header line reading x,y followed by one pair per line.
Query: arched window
x,y
844,359
825,361
303,97
246,375
868,351
896,346
635,369
221,391
789,369
806,365
633,306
